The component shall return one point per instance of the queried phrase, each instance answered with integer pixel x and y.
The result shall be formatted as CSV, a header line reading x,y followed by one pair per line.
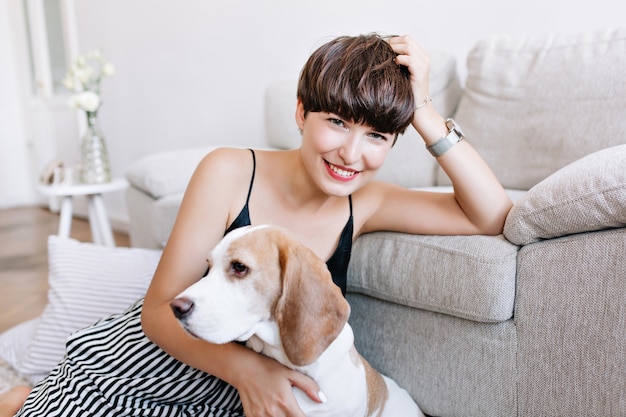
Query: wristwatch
x,y
454,136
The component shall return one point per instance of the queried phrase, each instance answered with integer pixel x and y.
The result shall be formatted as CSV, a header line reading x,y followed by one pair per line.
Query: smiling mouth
x,y
340,172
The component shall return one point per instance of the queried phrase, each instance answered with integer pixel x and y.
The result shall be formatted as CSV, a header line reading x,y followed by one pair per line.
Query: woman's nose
x,y
350,150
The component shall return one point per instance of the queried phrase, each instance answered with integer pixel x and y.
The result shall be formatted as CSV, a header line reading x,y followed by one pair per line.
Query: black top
x,y
338,262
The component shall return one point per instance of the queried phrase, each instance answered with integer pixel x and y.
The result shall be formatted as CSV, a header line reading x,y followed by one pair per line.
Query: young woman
x,y
355,95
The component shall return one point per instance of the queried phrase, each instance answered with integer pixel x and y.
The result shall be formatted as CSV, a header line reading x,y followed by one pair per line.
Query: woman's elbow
x,y
148,323
494,225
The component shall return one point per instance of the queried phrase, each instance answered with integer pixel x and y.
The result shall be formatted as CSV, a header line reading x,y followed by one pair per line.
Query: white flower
x,y
85,100
83,74
108,70
83,79
68,82
95,54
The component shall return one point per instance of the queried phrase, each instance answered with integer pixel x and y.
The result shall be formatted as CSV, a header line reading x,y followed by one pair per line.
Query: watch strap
x,y
453,137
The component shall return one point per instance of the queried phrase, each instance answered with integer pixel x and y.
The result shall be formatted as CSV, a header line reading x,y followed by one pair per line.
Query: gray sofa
x,y
528,323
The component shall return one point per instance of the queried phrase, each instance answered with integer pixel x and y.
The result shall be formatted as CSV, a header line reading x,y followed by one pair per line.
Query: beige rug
x,y
9,378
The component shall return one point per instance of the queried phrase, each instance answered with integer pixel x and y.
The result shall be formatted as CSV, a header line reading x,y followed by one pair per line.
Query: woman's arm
x,y
264,385
479,204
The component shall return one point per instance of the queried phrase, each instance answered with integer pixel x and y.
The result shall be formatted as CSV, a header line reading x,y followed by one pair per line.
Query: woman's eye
x,y
378,136
337,122
239,269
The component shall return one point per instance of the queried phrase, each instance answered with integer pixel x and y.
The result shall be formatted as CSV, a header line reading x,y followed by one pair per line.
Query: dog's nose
x,y
181,307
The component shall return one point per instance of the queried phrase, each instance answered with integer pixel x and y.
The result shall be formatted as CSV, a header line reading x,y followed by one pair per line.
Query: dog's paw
x,y
255,344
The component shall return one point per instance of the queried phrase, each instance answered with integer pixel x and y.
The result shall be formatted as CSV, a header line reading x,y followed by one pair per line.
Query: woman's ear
x,y
300,115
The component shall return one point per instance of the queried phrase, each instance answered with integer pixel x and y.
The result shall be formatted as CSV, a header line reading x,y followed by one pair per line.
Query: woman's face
x,y
339,155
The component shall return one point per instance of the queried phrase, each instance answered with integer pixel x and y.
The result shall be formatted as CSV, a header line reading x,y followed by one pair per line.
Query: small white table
x,y
98,220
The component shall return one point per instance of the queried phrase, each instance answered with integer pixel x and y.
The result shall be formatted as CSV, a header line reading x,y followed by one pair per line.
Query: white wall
x,y
192,72
16,181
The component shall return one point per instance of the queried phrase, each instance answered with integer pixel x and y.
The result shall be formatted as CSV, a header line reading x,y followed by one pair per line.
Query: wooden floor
x,y
24,261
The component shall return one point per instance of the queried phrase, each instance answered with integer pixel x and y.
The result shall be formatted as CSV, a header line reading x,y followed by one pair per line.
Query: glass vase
x,y
94,157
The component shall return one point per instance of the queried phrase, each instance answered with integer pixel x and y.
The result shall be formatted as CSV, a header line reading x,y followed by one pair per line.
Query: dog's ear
x,y
311,311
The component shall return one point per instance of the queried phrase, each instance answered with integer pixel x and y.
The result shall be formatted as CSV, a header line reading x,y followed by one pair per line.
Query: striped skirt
x,y
112,369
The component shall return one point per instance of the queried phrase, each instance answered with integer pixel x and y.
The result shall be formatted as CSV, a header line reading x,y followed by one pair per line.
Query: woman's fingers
x,y
415,58
308,386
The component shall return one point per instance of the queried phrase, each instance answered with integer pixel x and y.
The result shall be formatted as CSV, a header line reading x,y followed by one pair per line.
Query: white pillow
x,y
87,282
14,340
586,195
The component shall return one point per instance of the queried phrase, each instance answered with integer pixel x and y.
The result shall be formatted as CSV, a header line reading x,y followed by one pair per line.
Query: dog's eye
x,y
239,269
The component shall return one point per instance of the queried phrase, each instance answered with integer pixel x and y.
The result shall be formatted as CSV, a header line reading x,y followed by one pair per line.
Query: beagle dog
x,y
270,291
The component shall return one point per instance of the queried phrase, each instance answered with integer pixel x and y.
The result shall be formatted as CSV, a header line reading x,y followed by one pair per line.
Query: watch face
x,y
454,136
454,127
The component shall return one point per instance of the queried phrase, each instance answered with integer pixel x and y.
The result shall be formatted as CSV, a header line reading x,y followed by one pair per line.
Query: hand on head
x,y
415,58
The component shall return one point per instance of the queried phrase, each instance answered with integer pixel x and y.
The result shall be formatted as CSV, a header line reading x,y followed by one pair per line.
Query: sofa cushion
x,y
587,195
533,105
471,277
165,173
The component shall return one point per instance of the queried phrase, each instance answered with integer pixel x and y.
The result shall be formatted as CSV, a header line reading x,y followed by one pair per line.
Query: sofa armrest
x,y
471,277
165,173
586,195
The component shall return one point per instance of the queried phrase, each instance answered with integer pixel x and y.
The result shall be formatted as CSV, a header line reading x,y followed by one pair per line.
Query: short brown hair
x,y
358,79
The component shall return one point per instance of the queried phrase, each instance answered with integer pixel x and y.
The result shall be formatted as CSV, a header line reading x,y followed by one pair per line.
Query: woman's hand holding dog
x,y
266,389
